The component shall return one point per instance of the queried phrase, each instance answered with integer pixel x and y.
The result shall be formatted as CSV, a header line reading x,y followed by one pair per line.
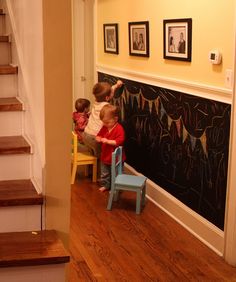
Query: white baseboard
x,y
205,231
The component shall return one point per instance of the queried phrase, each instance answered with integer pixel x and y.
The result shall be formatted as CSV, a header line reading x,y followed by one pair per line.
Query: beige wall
x,y
58,100
213,27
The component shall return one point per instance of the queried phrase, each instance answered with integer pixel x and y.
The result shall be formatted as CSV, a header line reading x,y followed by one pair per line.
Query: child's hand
x,y
108,141
119,83
104,140
98,139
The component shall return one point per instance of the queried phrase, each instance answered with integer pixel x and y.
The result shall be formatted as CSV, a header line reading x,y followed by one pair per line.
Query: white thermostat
x,y
215,57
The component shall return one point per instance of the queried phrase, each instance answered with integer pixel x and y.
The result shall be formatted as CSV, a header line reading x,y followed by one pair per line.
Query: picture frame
x,y
177,39
110,34
139,38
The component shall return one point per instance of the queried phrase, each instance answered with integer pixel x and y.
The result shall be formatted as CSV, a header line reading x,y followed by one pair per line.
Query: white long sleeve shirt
x,y
94,122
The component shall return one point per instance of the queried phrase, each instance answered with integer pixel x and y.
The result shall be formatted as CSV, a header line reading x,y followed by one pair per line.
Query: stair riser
x,y
15,167
8,86
46,273
5,54
11,123
20,218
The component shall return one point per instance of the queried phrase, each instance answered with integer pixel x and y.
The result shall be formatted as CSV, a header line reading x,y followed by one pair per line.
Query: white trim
x,y
22,102
201,228
197,89
189,228
95,39
30,142
36,185
230,214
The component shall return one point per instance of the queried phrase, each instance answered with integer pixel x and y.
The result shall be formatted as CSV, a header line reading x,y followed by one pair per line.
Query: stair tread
x,y
4,38
10,104
31,248
19,192
1,12
8,69
13,145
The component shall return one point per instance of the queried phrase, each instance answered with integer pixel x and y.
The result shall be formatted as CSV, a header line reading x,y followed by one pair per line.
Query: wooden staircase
x,y
22,240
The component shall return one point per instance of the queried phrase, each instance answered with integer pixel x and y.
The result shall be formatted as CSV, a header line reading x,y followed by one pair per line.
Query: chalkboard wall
x,y
179,141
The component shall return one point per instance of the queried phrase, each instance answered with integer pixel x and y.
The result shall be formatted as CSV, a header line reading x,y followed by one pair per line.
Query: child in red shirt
x,y
111,136
80,117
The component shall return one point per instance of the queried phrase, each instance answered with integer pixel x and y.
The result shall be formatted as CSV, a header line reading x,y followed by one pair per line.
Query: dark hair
x,y
81,104
101,90
111,110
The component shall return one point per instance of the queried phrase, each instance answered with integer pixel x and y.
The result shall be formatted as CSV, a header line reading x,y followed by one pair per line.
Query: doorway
x,y
83,49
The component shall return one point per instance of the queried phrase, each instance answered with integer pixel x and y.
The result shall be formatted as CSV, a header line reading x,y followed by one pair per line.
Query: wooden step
x,y
8,69
1,12
31,248
19,193
13,145
4,38
10,104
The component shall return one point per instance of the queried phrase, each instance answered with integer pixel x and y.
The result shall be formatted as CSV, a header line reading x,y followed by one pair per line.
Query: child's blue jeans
x,y
106,175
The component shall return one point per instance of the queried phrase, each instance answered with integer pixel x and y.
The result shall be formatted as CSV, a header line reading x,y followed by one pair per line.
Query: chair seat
x,y
85,157
130,180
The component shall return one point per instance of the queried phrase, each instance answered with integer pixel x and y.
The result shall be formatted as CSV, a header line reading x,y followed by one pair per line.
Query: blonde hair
x,y
109,110
101,90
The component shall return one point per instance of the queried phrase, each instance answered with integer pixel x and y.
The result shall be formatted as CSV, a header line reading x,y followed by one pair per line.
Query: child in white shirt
x,y
103,93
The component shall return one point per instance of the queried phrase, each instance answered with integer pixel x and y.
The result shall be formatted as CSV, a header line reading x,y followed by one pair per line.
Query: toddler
x,y
80,117
111,136
103,93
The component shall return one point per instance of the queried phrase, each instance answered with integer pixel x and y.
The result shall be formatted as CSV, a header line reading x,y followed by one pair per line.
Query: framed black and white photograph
x,y
110,33
177,38
139,38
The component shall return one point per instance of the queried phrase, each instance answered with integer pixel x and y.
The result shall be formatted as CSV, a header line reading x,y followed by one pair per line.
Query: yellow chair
x,y
81,158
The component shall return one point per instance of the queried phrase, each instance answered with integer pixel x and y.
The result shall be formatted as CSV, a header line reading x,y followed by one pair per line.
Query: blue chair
x,y
121,181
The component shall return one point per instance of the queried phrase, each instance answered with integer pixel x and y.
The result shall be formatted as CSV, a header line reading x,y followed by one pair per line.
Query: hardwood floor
x,y
119,245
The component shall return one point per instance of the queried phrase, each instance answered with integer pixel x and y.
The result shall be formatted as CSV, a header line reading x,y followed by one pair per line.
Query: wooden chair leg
x,y
138,202
73,173
95,172
86,170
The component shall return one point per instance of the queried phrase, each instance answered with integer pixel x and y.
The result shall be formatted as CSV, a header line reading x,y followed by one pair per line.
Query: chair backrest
x,y
116,164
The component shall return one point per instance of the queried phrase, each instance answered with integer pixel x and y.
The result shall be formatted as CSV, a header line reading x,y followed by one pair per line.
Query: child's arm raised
x,y
118,84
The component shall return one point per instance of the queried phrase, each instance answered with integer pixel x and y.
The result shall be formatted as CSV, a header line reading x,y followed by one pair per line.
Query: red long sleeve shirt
x,y
117,134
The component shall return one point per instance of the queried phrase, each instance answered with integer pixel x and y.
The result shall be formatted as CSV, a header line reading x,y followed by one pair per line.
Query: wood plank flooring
x,y
119,245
